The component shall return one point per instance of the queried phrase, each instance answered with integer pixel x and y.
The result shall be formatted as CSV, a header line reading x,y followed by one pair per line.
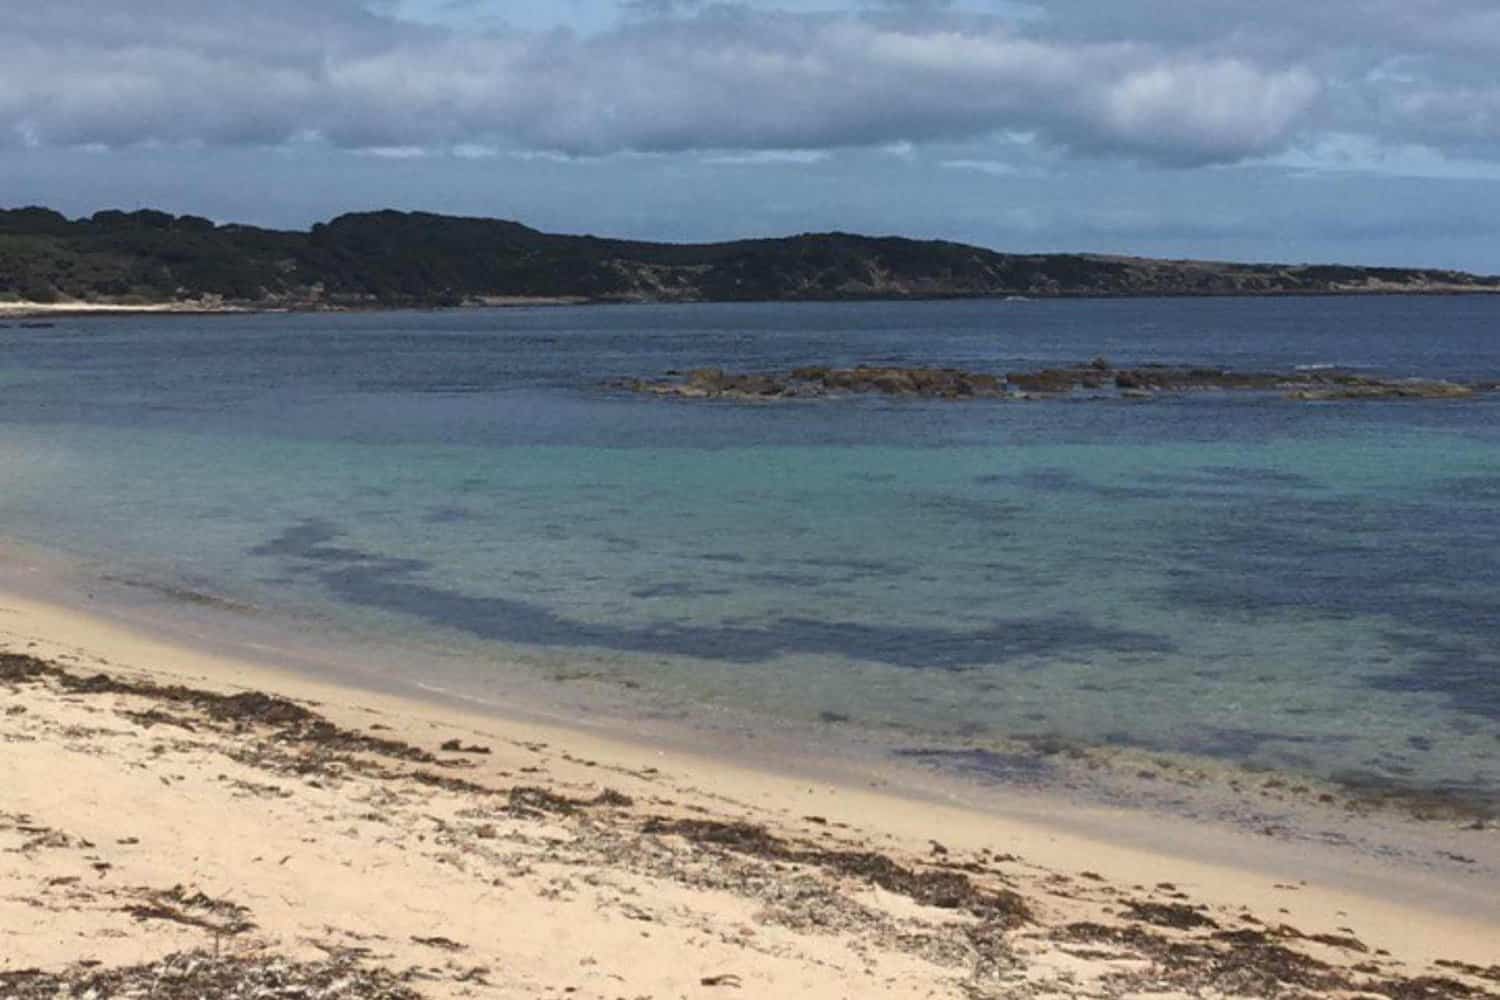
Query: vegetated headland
x,y
151,259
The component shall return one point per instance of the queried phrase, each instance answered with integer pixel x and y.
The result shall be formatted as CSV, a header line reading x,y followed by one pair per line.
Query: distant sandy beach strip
x,y
197,825
43,310
57,310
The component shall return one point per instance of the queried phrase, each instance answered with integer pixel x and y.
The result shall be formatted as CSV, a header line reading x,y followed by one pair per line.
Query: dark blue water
x,y
1305,586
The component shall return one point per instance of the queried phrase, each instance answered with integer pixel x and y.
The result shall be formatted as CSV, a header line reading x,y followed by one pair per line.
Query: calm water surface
x,y
1311,587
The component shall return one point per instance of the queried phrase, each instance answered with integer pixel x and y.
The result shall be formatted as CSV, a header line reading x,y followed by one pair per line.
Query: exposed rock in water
x,y
714,383
1054,380
1096,379
1404,389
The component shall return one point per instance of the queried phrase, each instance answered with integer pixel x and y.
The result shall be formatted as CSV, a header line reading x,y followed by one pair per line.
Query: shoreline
x,y
71,310
20,311
1122,791
16,311
1099,790
1060,869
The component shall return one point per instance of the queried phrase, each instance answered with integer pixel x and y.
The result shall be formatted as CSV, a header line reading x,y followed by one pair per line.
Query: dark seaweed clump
x,y
324,746
295,723
1178,915
219,916
1255,962
944,889
196,975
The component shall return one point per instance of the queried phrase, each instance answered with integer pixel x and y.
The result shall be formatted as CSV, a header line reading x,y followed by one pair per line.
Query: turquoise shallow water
x,y
1306,587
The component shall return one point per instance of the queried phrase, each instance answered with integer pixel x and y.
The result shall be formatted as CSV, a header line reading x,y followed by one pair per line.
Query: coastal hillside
x,y
393,258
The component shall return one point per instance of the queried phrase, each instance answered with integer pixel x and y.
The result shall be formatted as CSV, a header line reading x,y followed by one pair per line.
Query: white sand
x,y
43,310
110,801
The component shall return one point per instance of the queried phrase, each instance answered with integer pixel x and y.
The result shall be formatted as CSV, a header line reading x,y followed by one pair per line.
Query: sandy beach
x,y
51,310
197,824
45,311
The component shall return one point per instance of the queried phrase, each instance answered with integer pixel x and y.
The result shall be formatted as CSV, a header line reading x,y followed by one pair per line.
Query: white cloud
x,y
1465,114
393,152
723,80
1216,81
1220,110
1343,153
474,151
547,156
994,168
769,157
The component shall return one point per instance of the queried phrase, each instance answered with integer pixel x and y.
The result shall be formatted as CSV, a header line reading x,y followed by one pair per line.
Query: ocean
x,y
1217,579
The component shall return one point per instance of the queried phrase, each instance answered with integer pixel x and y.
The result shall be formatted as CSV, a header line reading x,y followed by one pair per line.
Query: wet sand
x,y
211,823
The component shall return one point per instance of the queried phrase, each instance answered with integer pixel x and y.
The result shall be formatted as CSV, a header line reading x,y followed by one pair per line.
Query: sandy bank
x,y
10,311
158,801
45,310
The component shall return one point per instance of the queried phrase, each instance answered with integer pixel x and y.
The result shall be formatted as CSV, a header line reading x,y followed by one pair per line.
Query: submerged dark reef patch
x,y
1240,744
1235,475
1062,481
676,588
989,765
1473,489
1464,669
392,584
1428,584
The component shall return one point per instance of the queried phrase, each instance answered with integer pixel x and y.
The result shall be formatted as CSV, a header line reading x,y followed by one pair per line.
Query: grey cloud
x,y
1398,70
1459,118
659,8
1287,25
721,78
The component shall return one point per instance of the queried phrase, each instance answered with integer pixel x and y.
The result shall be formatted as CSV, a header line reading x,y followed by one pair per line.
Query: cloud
x,y
1450,27
1338,154
1155,81
1395,71
474,151
717,79
1465,116
769,157
394,152
995,168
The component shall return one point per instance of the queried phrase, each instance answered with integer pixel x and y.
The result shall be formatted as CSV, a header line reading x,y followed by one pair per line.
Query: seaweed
x,y
295,723
1255,963
1177,915
198,974
196,910
943,889
455,746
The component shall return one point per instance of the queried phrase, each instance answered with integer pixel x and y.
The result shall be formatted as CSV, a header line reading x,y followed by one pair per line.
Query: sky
x,y
1359,131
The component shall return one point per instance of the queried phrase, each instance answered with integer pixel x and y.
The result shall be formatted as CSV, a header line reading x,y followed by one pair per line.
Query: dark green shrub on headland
x,y
417,259
34,290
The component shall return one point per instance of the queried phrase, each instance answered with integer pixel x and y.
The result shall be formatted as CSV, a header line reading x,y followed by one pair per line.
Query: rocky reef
x,y
807,383
1097,379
